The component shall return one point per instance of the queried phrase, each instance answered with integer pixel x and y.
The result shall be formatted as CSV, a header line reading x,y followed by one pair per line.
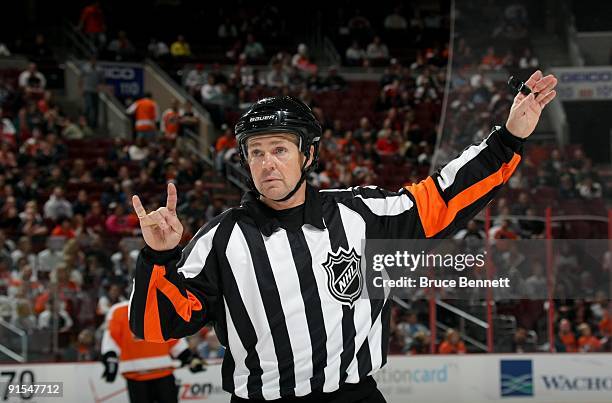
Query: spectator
x,y
138,150
566,337
377,51
121,47
71,129
334,81
95,220
31,223
92,23
503,231
410,327
226,142
63,228
23,316
420,343
120,222
605,328
452,343
32,81
170,121
227,29
103,171
210,90
157,49
277,77
364,130
355,55
188,120
113,295
46,317
50,257
508,61
587,343
146,116
223,99
567,190
490,60
4,50
57,206
386,145
124,260
395,21
24,251
253,50
528,61
195,79
536,282
180,47
521,342
588,189
7,132
80,174
92,78
301,60
84,349
396,342
26,189
472,236
521,205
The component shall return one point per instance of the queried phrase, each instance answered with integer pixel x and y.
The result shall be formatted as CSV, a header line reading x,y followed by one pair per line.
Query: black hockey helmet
x,y
281,114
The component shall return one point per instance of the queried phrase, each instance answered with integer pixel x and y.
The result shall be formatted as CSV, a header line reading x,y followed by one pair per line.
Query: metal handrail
x,y
330,51
194,147
176,88
463,314
83,45
113,106
23,357
237,175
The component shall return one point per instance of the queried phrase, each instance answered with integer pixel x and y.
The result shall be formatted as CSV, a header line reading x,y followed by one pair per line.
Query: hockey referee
x,y
263,273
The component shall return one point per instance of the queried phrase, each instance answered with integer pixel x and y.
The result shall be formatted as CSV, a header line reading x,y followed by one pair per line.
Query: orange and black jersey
x,y
288,327
139,360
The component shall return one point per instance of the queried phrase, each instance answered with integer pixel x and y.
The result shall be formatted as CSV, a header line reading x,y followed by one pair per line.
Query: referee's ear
x,y
311,156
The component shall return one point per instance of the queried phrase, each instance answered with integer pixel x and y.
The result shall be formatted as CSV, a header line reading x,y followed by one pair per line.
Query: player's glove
x,y
192,360
111,366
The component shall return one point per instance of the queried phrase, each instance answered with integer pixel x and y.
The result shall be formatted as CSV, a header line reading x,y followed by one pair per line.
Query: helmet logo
x,y
259,118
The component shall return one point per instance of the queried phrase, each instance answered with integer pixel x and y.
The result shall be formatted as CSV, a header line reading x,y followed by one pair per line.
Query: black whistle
x,y
518,86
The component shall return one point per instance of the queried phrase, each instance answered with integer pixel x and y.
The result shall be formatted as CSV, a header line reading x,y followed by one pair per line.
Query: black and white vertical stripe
x,y
267,291
286,335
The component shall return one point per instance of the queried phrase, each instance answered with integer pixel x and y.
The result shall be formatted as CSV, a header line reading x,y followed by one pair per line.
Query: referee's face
x,y
275,162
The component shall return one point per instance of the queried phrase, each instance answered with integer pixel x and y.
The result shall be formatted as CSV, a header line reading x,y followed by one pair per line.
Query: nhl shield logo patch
x,y
344,277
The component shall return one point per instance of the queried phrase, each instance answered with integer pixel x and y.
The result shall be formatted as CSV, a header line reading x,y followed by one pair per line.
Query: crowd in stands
x,y
68,236
549,176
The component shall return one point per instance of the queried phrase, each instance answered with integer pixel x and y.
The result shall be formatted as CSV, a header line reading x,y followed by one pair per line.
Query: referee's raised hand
x,y
161,228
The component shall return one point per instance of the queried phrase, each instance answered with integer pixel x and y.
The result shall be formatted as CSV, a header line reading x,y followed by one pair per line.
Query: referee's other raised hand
x,y
161,228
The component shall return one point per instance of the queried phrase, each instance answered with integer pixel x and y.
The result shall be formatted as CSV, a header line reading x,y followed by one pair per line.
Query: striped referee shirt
x,y
288,304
